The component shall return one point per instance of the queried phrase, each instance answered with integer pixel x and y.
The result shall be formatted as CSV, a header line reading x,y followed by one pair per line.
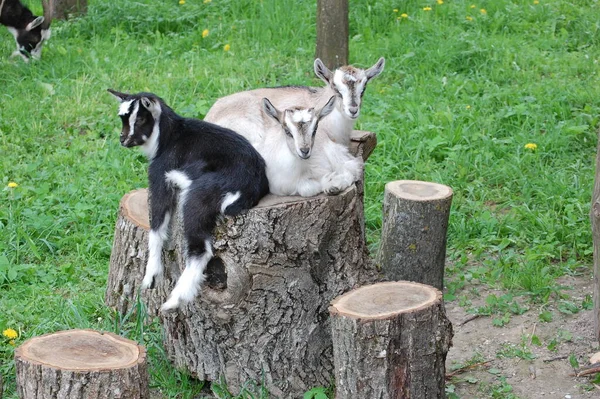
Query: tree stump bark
x,y
263,309
62,9
595,220
81,364
413,238
332,32
390,340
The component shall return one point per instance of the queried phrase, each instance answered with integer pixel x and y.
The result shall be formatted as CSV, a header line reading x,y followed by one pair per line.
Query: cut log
x,y
81,364
263,309
413,237
390,340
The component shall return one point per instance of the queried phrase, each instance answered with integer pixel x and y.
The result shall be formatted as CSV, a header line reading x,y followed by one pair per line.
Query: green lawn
x,y
466,86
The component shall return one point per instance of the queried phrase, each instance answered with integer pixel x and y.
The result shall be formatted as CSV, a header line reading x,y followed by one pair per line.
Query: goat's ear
x,y
119,96
35,23
375,69
326,110
271,110
322,71
148,103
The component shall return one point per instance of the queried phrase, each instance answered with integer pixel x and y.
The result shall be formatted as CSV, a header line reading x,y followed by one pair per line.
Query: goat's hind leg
x,y
199,219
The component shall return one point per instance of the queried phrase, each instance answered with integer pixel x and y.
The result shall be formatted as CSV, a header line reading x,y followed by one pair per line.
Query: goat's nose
x,y
305,151
353,111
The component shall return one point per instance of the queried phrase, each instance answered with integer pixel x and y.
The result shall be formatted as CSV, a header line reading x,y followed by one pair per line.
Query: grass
x,y
457,103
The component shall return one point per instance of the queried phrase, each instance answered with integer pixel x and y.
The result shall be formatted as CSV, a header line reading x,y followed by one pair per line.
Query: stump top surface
x,y
81,350
135,207
385,300
418,190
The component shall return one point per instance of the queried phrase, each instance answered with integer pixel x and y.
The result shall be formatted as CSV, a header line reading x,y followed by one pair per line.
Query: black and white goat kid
x,y
213,170
29,31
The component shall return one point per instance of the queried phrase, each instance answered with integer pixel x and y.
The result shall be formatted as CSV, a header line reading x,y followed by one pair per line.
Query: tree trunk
x,y
595,219
81,364
263,310
63,9
390,340
332,32
413,238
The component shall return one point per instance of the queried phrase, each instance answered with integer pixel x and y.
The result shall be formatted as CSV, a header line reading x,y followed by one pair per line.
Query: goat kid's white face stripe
x,y
303,115
133,118
124,107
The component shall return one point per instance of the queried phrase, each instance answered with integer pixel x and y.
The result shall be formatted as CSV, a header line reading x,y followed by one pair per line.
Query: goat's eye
x,y
141,120
287,132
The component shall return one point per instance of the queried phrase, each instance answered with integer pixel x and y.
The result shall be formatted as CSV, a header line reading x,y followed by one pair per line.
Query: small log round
x,y
390,340
81,364
413,237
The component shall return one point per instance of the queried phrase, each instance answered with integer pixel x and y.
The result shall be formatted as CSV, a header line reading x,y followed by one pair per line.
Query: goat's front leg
x,y
161,208
334,182
309,187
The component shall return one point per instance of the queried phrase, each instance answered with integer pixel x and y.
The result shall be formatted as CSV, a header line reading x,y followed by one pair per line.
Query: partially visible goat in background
x,y
29,31
241,111
209,170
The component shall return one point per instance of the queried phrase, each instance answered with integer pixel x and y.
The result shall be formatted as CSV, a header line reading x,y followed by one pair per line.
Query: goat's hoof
x,y
148,282
333,191
169,307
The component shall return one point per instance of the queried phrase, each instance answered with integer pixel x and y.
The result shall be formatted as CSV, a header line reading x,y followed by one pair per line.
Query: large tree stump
x,y
81,364
390,340
413,238
264,306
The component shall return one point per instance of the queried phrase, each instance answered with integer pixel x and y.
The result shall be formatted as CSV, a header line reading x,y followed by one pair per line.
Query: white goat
x,y
241,111
299,160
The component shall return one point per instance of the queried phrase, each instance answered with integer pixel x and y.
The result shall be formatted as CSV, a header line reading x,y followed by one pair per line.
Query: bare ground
x,y
531,370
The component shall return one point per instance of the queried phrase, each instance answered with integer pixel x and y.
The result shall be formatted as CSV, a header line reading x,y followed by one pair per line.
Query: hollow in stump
x,y
390,340
413,237
81,364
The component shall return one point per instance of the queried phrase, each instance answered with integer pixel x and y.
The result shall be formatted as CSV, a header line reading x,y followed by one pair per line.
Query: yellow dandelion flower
x,y
426,8
440,1
483,11
227,47
10,333
404,15
469,18
395,10
531,146
207,1
536,2
181,2
473,6
204,33
468,107
12,184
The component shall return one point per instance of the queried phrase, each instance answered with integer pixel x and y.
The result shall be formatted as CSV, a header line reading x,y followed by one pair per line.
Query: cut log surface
x,y
81,364
390,340
413,238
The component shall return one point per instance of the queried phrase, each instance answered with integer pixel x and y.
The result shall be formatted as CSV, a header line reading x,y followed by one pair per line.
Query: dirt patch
x,y
526,358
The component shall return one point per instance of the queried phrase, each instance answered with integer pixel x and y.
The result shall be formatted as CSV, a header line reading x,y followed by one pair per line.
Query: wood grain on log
x,y
390,340
81,364
413,237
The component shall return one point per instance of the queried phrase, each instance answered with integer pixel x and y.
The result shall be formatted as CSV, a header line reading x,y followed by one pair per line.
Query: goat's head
x,y
299,125
140,114
349,83
32,36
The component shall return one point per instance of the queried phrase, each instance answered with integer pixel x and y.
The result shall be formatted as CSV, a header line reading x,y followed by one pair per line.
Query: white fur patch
x,y
133,118
124,107
179,179
229,199
156,239
188,284
302,115
150,145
